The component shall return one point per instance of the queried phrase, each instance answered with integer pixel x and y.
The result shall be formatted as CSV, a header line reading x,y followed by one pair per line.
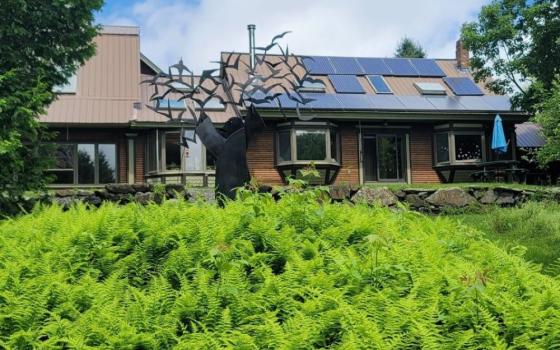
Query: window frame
x,y
309,126
390,92
160,155
452,131
75,175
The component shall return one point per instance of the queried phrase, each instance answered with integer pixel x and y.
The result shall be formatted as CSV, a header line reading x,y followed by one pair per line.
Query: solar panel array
x,y
463,86
346,84
397,103
414,67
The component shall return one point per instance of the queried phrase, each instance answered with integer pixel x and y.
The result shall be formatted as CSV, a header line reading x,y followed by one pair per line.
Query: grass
x,y
299,273
535,226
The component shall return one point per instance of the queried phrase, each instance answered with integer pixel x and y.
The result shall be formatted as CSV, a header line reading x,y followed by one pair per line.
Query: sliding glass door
x,y
384,157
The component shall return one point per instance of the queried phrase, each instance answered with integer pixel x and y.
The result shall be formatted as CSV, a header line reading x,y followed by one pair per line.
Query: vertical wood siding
x,y
349,172
260,158
421,156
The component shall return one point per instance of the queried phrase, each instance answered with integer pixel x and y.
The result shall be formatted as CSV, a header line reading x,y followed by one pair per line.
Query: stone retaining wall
x,y
431,200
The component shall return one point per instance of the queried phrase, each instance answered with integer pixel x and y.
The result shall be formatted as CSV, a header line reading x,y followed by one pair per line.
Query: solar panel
x,y
415,103
374,66
323,101
348,84
379,84
349,102
346,65
386,102
498,103
318,65
474,103
446,103
427,67
401,67
463,86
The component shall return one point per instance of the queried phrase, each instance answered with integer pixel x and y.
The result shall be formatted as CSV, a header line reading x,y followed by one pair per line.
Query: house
x,y
371,120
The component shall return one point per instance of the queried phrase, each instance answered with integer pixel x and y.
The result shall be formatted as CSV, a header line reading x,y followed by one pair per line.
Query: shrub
x,y
260,274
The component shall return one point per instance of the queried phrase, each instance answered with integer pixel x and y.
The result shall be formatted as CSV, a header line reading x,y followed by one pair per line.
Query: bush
x,y
259,274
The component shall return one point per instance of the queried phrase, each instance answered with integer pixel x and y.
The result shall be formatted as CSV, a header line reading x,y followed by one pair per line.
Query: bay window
x,y
459,144
84,164
299,144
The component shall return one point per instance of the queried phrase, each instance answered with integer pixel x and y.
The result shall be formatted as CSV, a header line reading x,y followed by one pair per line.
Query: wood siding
x,y
350,170
260,158
421,155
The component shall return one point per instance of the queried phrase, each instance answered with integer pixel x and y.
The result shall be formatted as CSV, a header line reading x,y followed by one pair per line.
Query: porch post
x,y
131,156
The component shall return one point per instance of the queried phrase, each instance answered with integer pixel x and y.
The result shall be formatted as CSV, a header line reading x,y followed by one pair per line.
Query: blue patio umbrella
x,y
499,143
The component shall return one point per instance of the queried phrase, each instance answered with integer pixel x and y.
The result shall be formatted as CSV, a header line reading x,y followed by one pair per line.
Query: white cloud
x,y
199,32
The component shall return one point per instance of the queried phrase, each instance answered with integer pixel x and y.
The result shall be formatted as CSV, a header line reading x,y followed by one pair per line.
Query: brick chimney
x,y
461,55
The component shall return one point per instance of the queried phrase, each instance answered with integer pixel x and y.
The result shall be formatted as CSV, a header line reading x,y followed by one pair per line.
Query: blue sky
x,y
197,30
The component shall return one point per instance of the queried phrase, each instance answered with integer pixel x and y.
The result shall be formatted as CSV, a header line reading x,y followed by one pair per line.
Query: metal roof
x,y
529,135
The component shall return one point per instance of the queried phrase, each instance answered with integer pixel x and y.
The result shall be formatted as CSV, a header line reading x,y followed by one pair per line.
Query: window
x,y
379,84
166,151
163,103
309,142
172,151
299,144
459,145
468,147
70,87
63,170
213,103
85,164
384,157
284,151
430,88
309,86
442,148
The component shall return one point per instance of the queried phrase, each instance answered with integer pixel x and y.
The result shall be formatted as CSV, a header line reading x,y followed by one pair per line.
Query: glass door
x,y
384,157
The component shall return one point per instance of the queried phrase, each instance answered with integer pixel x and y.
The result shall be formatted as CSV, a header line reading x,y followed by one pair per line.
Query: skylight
x,y
308,86
168,103
430,88
379,84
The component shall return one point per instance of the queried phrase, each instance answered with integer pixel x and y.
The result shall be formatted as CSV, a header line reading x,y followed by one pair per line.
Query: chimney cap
x,y
251,26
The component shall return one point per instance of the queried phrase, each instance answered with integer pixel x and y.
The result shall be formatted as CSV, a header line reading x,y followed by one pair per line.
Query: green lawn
x,y
535,226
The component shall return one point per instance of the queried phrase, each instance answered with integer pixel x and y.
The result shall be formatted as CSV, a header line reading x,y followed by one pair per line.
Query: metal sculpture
x,y
242,85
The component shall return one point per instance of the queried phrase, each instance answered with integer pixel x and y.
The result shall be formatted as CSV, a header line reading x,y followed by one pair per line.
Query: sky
x,y
198,30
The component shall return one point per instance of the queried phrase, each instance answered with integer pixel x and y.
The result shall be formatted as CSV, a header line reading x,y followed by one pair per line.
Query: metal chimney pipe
x,y
251,29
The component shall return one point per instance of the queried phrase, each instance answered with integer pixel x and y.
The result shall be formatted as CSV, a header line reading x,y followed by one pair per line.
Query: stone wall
x,y
430,200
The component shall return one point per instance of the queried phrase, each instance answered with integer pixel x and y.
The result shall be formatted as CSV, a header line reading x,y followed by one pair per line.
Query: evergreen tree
x,y
408,48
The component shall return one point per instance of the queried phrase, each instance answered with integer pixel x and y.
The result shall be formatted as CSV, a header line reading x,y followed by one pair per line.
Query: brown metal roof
x,y
107,84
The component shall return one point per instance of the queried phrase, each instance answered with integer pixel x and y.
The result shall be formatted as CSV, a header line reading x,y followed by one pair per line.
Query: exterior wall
x,y
421,154
350,170
260,158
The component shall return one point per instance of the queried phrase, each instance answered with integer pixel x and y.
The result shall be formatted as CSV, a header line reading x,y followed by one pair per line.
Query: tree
x,y
408,48
42,44
549,118
515,47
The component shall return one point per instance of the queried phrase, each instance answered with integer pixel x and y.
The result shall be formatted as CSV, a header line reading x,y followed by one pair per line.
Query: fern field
x,y
260,274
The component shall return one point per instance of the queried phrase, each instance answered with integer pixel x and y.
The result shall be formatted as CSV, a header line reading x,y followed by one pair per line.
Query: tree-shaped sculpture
x,y
267,77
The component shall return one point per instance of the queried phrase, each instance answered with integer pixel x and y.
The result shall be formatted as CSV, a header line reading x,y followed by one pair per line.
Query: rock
x,y
413,190
339,192
82,193
505,198
375,195
489,197
451,197
400,194
64,193
104,195
264,189
142,187
415,201
65,202
144,197
174,187
92,200
119,188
